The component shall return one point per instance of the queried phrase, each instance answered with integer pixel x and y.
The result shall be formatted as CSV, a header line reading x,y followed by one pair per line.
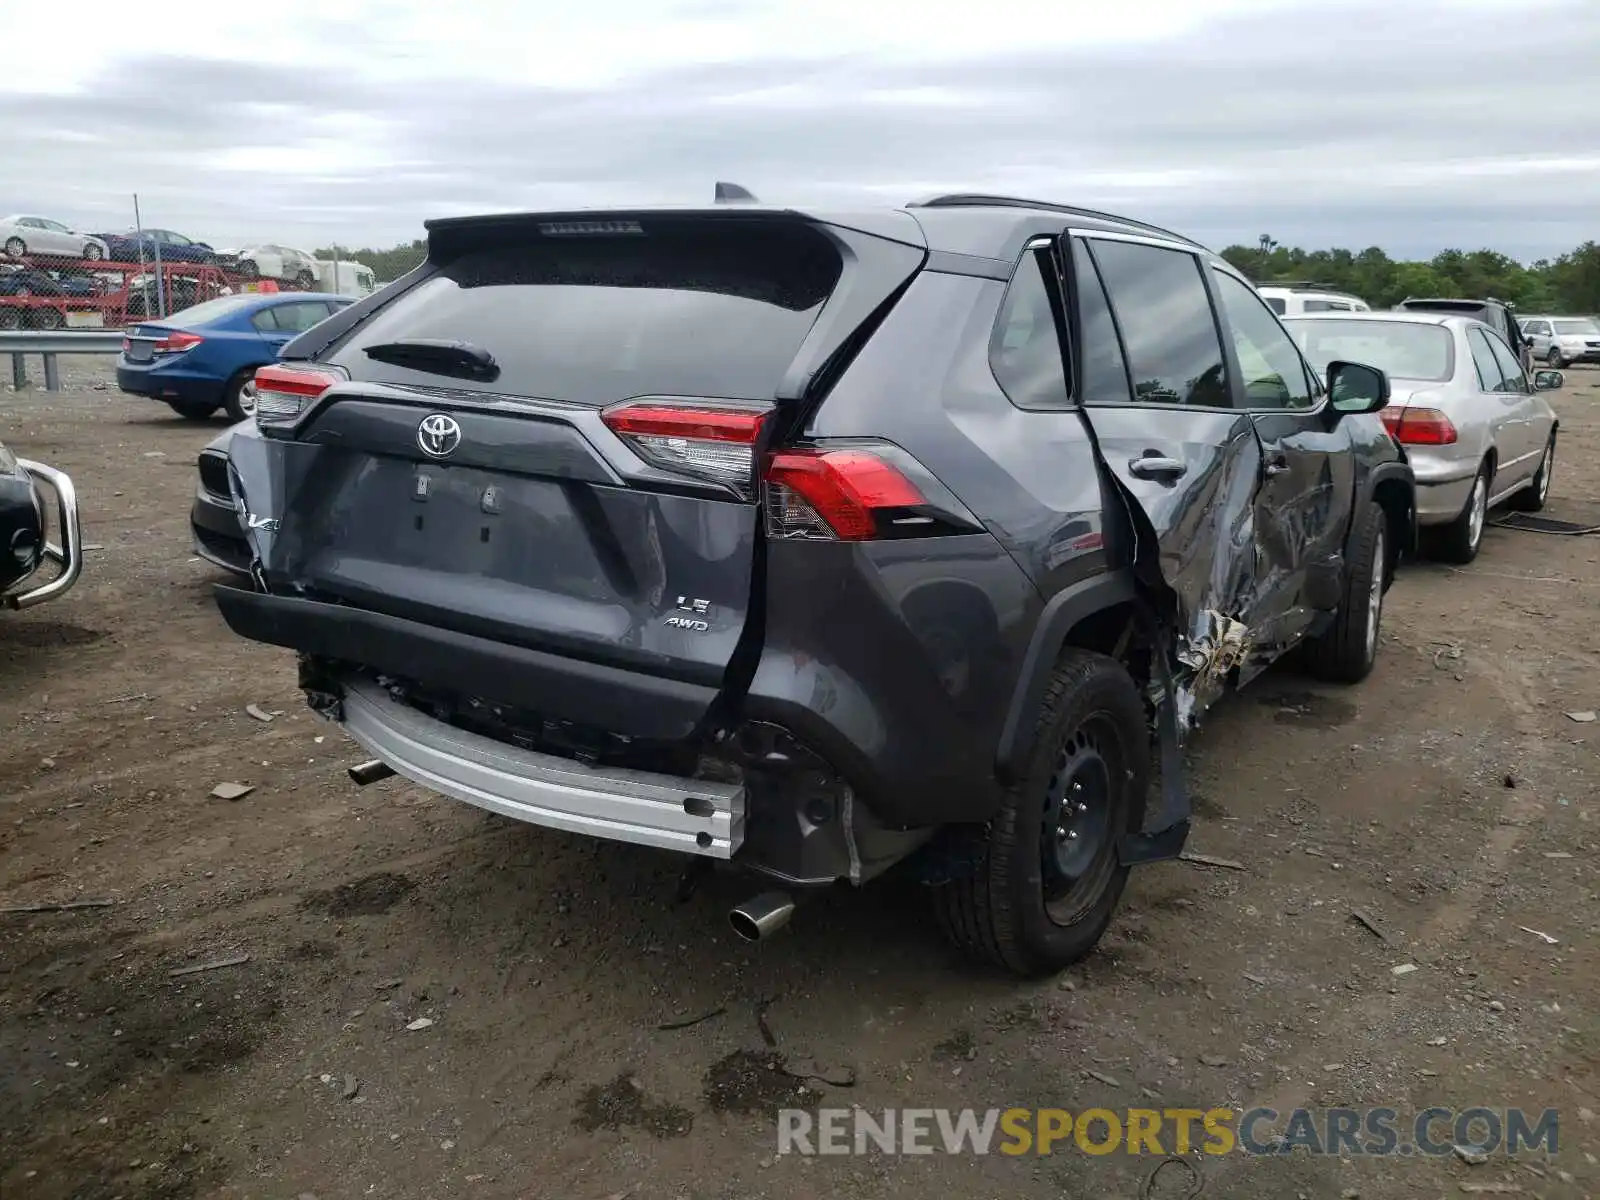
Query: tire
x,y
16,247
1346,651
92,253
10,318
1532,498
1090,739
248,268
46,319
239,398
1459,541
192,410
305,281
1554,360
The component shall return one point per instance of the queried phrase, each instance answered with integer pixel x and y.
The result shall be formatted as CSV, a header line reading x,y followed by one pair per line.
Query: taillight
x,y
712,442
177,343
1418,426
833,494
284,392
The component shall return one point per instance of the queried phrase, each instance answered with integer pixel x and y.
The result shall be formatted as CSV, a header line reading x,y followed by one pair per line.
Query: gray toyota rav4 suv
x,y
818,541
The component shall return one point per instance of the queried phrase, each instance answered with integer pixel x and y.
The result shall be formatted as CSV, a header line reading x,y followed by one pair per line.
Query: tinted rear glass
x,y
1402,349
210,310
714,308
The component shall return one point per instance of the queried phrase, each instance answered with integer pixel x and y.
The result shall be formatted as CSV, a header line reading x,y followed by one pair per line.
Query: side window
x,y
1276,304
1025,350
1161,305
265,321
1511,377
297,318
1274,373
1102,370
1311,306
1483,359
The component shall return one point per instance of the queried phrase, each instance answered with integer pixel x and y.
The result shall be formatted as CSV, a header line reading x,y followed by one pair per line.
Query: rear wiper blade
x,y
462,360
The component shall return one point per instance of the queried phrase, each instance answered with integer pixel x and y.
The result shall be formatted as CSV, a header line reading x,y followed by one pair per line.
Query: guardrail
x,y
49,343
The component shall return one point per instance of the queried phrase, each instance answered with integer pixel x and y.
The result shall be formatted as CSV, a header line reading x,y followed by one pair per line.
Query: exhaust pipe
x,y
370,772
762,916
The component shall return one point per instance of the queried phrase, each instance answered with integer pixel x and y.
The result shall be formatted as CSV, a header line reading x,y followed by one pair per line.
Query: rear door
x,y
552,439
1169,430
1539,335
1526,430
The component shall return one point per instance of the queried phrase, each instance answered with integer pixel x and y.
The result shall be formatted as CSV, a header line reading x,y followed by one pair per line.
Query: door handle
x,y
1278,464
1156,466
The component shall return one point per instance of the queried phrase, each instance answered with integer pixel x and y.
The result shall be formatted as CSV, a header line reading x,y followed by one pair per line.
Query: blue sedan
x,y
174,247
205,358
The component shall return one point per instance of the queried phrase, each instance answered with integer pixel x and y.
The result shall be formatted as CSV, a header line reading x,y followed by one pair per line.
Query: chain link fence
x,y
56,275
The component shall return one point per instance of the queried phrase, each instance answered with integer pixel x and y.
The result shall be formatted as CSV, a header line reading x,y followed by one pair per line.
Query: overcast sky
x,y
1410,124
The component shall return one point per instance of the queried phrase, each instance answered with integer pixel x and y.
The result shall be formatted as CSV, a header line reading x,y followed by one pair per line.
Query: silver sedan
x,y
1474,426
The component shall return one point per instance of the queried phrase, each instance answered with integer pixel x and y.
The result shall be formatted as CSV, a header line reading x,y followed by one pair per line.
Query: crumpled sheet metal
x,y
1217,646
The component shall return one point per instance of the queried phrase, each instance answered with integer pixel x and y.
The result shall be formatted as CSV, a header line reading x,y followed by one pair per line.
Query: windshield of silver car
x,y
1581,326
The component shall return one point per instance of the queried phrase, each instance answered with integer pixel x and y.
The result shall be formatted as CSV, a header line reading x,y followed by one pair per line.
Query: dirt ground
x,y
1449,799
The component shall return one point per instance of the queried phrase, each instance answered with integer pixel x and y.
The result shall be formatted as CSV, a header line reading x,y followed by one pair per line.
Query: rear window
x,y
210,310
1402,349
713,308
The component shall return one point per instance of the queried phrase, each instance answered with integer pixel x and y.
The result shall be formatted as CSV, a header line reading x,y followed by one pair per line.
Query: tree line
x,y
1568,284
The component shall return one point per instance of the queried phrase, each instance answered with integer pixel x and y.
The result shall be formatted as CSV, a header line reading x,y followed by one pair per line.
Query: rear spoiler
x,y
880,252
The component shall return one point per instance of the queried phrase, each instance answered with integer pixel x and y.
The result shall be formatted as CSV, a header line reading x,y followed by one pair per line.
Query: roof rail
x,y
982,200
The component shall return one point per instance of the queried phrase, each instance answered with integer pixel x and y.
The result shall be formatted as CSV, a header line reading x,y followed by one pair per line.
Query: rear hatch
x,y
551,440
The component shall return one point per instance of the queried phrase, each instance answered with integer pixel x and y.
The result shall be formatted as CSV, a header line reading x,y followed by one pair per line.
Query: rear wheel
x,y
1346,651
47,319
240,397
1045,875
305,280
1532,498
1458,542
16,247
10,318
192,410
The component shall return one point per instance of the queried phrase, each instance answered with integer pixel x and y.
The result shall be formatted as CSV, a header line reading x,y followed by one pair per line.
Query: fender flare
x,y
1061,612
1379,474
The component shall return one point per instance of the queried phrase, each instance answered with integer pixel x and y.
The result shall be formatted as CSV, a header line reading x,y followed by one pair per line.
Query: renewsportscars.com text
x,y
1380,1131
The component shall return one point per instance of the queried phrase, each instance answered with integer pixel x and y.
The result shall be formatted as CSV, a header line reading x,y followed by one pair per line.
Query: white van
x,y
345,277
1290,301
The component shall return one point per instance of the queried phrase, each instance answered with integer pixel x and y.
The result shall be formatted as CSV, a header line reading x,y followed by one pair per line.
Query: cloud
x,y
1411,126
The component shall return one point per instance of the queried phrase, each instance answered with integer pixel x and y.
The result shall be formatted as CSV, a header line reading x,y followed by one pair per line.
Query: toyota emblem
x,y
438,435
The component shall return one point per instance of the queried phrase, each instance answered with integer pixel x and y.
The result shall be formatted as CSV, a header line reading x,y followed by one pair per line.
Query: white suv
x,y
1562,340
1288,301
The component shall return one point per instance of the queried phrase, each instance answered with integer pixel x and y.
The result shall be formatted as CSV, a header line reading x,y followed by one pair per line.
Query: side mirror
x,y
1357,388
1548,381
